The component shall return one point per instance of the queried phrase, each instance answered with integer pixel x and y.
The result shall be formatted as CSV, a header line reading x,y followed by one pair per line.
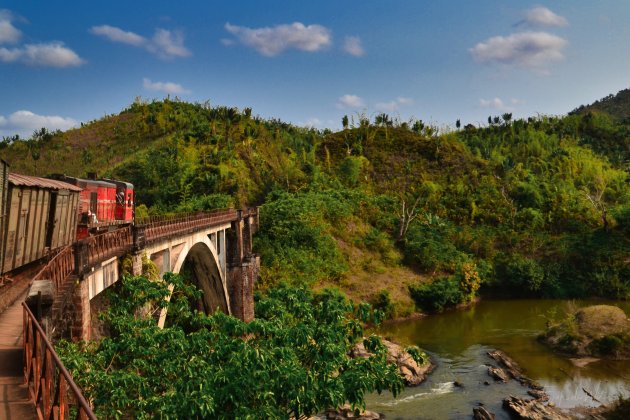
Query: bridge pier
x,y
243,266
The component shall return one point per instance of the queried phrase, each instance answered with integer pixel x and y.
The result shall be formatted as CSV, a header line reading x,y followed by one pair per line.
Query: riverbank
x,y
458,341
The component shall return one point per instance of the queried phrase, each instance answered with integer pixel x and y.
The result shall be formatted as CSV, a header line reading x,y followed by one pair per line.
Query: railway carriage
x,y
42,216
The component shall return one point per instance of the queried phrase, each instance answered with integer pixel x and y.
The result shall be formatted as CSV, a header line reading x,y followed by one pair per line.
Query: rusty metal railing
x,y
58,268
107,245
170,226
50,385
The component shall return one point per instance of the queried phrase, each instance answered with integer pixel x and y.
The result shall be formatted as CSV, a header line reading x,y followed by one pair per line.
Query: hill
x,y
605,127
394,213
617,106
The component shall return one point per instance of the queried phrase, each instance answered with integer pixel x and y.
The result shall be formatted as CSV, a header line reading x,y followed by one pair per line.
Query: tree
x,y
458,123
344,122
414,198
418,126
291,361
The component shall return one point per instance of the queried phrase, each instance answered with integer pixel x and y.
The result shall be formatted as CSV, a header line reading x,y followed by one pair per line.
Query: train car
x,y
125,200
42,216
105,204
4,181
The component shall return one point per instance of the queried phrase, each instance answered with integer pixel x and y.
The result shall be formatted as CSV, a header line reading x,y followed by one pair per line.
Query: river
x,y
459,340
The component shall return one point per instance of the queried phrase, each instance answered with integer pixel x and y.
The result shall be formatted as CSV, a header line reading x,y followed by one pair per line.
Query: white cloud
x,y
271,41
526,49
353,46
9,34
25,122
118,35
10,55
164,43
499,104
168,44
313,122
350,101
394,105
45,54
52,54
166,87
495,103
541,16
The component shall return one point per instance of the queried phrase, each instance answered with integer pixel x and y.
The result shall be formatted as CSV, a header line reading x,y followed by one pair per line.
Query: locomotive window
x,y
129,200
93,202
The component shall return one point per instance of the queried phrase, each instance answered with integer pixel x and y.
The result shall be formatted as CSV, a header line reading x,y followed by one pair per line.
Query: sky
x,y
310,62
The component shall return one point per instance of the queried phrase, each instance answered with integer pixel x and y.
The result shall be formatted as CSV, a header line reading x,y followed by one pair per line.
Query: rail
x,y
49,384
58,268
109,244
176,225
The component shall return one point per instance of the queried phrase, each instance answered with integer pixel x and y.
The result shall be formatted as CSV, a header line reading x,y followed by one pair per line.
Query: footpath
x,y
14,401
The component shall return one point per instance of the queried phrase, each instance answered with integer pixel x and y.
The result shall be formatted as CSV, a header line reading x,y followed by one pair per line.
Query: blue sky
x,y
309,63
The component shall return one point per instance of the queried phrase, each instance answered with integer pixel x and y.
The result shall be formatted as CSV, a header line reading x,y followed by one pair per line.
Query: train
x,y
39,215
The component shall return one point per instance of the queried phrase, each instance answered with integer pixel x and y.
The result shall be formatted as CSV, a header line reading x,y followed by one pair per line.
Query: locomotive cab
x,y
125,200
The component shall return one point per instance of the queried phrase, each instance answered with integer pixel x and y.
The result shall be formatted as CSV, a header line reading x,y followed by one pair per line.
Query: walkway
x,y
14,401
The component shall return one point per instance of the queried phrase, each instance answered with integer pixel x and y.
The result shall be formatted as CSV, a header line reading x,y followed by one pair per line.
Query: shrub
x,y
608,344
429,248
383,302
437,295
520,273
469,281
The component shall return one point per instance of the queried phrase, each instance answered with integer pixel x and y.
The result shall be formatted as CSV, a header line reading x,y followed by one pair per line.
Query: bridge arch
x,y
202,264
198,257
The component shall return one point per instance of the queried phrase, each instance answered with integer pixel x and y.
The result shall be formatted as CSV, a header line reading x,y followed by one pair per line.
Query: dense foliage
x,y
291,360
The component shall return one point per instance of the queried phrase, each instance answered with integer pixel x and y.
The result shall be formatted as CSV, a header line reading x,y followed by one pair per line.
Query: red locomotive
x,y
104,204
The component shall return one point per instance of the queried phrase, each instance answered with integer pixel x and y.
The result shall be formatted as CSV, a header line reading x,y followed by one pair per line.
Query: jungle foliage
x,y
292,360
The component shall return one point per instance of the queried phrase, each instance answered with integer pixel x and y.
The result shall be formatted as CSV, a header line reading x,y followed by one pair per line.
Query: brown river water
x,y
459,340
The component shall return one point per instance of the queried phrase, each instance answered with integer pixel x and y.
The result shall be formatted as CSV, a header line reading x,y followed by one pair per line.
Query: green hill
x,y
605,126
617,106
393,213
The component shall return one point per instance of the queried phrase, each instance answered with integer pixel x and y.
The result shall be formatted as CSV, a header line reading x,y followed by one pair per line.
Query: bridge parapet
x,y
157,228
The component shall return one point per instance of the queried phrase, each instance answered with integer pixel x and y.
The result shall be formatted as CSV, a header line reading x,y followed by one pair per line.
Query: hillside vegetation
x,y
390,212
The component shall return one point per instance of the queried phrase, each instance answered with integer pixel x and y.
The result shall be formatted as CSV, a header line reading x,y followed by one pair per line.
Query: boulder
x,y
538,394
532,409
480,413
346,412
594,331
498,374
412,373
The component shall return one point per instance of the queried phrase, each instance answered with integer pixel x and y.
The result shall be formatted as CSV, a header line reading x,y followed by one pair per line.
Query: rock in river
x,y
413,373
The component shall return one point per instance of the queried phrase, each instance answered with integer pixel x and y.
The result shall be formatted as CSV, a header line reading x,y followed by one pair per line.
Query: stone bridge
x,y
214,249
